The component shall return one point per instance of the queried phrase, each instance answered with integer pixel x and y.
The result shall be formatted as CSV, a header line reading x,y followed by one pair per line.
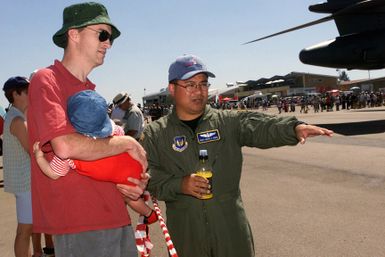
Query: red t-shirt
x,y
74,203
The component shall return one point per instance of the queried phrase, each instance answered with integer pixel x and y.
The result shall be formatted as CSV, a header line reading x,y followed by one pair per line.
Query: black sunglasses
x,y
103,35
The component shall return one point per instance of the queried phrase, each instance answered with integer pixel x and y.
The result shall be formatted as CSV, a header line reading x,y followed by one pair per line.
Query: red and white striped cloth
x,y
142,238
61,167
170,245
143,242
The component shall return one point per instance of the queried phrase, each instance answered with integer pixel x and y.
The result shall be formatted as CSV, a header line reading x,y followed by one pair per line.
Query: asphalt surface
x,y
323,198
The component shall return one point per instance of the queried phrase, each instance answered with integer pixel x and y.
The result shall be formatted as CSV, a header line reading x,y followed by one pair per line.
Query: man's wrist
x,y
297,124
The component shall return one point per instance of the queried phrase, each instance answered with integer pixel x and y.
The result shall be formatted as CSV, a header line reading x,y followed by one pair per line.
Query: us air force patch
x,y
208,136
180,143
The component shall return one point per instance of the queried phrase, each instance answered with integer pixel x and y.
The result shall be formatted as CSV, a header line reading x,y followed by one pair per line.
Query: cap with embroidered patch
x,y
187,66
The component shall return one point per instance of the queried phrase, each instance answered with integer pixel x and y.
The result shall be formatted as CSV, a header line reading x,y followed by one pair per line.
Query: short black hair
x,y
9,92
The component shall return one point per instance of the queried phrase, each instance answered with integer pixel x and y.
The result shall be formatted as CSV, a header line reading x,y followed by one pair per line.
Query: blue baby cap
x,y
87,111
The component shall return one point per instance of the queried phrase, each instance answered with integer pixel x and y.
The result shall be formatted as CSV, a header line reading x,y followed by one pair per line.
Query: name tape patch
x,y
208,136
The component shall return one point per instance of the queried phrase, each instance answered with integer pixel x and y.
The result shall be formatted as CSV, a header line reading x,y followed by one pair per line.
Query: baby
x,y
87,112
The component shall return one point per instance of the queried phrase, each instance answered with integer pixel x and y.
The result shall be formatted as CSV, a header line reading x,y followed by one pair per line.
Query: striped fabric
x,y
143,242
169,243
60,167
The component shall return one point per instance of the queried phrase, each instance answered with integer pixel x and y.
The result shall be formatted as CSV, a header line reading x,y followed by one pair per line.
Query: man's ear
x,y
73,35
171,88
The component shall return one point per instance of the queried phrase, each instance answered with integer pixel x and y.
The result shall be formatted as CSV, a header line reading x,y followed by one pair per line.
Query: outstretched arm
x,y
303,131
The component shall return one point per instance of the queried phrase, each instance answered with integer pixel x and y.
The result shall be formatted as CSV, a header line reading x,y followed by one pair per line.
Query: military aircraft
x,y
361,44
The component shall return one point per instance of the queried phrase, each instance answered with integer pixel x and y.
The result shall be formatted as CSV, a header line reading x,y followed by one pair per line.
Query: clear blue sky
x,y
155,32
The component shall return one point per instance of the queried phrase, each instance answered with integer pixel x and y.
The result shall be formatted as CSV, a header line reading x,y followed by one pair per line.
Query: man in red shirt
x,y
86,217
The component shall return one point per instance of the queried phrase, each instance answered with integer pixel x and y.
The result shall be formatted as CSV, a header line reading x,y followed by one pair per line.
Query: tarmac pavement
x,y
323,198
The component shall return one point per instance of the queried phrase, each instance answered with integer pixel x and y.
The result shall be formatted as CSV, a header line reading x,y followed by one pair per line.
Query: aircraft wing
x,y
350,16
355,16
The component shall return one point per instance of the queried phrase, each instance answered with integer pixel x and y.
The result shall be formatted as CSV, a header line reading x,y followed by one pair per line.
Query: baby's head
x,y
87,111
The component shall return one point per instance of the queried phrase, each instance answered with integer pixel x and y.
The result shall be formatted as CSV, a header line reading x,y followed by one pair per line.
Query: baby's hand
x,y
37,151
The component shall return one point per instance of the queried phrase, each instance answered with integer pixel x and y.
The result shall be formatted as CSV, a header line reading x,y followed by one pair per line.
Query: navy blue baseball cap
x,y
15,82
87,111
187,66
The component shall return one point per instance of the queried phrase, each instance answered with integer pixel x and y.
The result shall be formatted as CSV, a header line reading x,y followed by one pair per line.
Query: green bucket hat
x,y
82,15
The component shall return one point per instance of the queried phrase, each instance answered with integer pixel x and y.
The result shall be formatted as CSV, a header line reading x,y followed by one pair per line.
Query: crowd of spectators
x,y
331,102
318,102
155,111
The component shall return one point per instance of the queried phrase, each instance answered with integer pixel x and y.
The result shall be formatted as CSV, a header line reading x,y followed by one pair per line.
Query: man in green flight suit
x,y
215,227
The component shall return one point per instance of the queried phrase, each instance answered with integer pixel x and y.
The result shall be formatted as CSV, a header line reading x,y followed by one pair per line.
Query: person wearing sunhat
x,y
117,113
216,227
132,120
104,226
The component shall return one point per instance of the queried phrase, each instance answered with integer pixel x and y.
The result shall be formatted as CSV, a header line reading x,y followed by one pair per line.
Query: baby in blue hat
x,y
87,112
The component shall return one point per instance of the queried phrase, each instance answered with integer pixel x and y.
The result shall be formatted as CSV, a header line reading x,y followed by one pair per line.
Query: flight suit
x,y
217,227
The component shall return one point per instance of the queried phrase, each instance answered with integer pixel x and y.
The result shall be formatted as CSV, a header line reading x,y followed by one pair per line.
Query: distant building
x,y
294,83
162,98
377,84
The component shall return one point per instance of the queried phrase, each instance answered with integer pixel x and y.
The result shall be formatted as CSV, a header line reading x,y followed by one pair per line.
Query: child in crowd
x,y
87,111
